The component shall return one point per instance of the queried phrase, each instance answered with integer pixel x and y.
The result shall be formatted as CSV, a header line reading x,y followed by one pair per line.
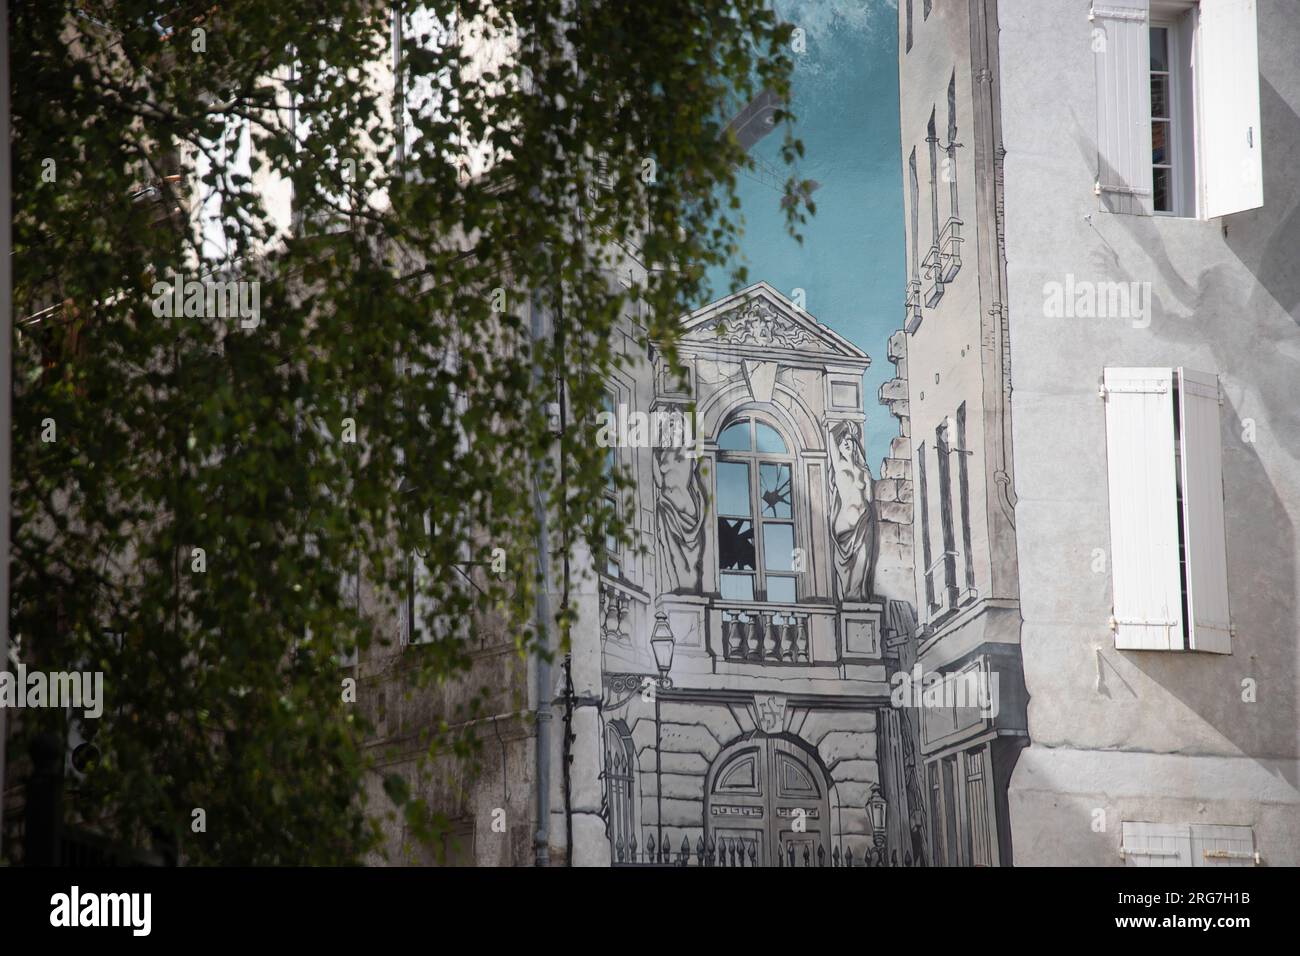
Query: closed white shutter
x,y
1205,546
1140,465
349,596
1156,844
1122,52
1227,99
417,604
235,168
1215,845
1181,844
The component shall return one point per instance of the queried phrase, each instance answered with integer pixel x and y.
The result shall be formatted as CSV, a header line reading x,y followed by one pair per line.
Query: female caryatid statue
x,y
679,508
853,513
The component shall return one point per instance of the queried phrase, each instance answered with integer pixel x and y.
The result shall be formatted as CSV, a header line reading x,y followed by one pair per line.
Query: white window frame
x,y
1177,157
754,460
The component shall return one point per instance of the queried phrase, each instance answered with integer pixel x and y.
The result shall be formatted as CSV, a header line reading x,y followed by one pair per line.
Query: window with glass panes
x,y
755,509
1163,144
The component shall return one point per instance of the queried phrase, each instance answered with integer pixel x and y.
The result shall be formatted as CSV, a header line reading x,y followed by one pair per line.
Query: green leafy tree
x,y
191,490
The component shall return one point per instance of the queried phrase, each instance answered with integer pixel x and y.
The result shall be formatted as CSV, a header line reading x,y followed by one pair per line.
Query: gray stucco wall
x,y
1149,736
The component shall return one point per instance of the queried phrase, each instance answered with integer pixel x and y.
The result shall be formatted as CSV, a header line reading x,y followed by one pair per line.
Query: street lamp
x,y
662,643
877,810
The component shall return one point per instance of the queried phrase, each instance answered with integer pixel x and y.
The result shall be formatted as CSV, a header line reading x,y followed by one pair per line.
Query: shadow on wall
x,y
1267,240
1261,574
1253,332
1261,534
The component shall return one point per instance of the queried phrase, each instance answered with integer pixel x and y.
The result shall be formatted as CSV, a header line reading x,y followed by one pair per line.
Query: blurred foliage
x,y
544,141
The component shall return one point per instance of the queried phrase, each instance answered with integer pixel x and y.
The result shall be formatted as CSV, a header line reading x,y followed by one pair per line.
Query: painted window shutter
x,y
1205,542
1121,51
1140,465
1227,98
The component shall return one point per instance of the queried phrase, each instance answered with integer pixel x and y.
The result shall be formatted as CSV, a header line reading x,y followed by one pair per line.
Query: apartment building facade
x,y
1130,167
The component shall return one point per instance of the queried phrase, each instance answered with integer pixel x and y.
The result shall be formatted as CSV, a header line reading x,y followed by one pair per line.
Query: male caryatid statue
x,y
853,513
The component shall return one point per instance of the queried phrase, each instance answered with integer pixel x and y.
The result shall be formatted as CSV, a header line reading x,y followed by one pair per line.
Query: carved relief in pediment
x,y
758,323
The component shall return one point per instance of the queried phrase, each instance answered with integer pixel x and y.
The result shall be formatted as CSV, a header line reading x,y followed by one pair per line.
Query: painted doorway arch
x,y
768,795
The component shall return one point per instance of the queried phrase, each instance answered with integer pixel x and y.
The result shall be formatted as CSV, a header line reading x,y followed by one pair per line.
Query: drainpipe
x,y
984,29
541,663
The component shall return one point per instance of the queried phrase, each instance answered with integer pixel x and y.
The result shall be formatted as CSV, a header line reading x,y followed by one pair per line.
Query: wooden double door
x,y
766,795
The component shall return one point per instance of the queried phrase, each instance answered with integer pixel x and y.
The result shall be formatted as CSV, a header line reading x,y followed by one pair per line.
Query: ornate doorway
x,y
768,795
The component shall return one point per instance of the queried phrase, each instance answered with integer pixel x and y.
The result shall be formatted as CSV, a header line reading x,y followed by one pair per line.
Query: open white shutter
x,y
1205,544
1143,508
1122,51
1227,100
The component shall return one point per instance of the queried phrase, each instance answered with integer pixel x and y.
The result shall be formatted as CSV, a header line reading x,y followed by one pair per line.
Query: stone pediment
x,y
760,319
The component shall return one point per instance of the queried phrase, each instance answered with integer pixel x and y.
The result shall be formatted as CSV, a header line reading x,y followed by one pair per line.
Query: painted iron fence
x,y
740,852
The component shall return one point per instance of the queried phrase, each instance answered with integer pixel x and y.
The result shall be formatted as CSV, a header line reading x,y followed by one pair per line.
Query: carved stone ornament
x,y
758,323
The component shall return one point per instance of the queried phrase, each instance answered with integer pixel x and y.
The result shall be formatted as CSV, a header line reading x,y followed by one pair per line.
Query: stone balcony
x,y
765,636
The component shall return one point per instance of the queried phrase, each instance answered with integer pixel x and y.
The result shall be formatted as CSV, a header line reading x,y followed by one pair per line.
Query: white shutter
x,y
1205,546
1216,845
1156,844
1143,508
1181,844
417,605
1227,99
1122,52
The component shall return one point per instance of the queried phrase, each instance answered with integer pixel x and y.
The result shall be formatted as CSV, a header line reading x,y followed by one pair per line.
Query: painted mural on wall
x,y
679,508
765,737
853,517
765,660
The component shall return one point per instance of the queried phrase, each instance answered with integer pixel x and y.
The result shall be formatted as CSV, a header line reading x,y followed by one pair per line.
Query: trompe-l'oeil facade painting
x,y
772,692
745,711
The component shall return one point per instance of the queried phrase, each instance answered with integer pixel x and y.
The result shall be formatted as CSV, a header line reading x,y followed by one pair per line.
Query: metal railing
x,y
741,852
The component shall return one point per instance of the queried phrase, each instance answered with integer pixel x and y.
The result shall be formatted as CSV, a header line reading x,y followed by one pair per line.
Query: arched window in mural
x,y
755,505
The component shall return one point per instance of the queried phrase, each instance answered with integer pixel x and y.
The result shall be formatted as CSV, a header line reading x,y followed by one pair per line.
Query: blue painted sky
x,y
851,262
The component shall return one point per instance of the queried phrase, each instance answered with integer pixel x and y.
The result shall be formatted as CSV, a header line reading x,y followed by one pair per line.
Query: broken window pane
x,y
735,544
774,490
